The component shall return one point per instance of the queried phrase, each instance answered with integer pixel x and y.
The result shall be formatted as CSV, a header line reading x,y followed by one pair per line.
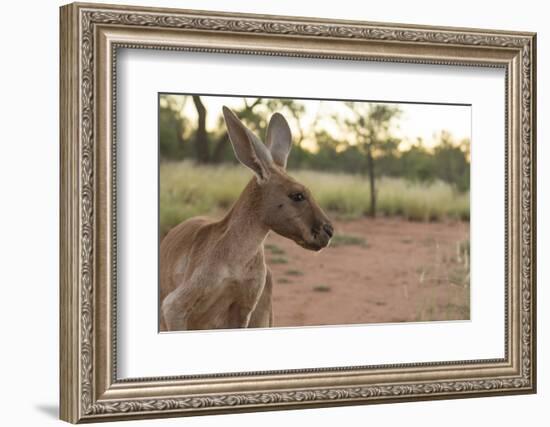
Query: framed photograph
x,y
266,212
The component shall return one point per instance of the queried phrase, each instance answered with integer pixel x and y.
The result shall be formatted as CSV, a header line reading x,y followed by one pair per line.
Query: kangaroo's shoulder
x,y
184,233
189,226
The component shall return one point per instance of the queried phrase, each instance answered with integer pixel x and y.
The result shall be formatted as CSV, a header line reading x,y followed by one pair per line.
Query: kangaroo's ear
x,y
249,149
279,139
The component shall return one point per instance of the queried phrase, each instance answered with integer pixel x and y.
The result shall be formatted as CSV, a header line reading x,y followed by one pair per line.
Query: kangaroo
x,y
213,273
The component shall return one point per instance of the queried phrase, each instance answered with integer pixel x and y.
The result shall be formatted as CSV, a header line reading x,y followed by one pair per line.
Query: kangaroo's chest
x,y
244,282
229,297
234,283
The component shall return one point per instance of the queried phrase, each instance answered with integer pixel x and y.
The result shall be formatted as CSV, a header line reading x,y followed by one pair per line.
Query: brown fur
x,y
213,273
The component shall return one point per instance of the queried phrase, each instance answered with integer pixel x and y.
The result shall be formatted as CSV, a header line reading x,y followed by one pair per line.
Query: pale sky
x,y
423,121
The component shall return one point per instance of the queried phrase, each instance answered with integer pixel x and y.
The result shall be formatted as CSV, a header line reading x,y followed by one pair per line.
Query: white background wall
x,y
29,170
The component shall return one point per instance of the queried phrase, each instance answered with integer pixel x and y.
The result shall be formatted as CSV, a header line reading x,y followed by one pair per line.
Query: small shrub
x,y
348,240
274,249
294,273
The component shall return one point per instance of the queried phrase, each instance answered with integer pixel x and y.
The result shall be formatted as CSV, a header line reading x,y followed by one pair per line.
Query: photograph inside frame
x,y
291,212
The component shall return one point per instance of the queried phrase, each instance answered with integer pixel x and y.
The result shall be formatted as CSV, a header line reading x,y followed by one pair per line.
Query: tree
x,y
451,161
221,151
255,113
172,128
370,127
210,148
201,136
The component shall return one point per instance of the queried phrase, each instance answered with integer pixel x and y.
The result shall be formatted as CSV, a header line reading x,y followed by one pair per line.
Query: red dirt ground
x,y
405,271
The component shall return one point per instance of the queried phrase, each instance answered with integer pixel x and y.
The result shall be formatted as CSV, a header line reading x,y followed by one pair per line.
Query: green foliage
x,y
371,125
368,129
447,162
293,272
274,249
278,260
321,288
348,240
172,126
450,163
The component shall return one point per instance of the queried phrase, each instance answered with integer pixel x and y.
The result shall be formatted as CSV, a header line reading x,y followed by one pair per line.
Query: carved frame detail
x,y
81,399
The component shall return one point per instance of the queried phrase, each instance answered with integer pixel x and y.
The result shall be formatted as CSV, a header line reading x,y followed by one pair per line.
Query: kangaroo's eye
x,y
297,197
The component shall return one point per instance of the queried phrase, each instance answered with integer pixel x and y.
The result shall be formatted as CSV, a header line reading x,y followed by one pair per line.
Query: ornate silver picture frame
x,y
91,37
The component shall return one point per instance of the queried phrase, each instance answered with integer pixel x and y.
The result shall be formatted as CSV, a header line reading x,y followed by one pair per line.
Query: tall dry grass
x,y
187,190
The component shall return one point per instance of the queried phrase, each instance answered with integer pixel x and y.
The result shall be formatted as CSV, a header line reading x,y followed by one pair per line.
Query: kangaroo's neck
x,y
243,228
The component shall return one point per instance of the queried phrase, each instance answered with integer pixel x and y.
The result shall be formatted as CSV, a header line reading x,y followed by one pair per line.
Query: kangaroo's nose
x,y
328,229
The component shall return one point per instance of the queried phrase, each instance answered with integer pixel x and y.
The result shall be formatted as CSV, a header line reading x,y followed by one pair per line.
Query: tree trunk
x,y
218,149
201,139
370,164
179,136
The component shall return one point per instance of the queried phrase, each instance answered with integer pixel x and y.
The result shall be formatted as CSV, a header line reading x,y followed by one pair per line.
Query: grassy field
x,y
187,190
